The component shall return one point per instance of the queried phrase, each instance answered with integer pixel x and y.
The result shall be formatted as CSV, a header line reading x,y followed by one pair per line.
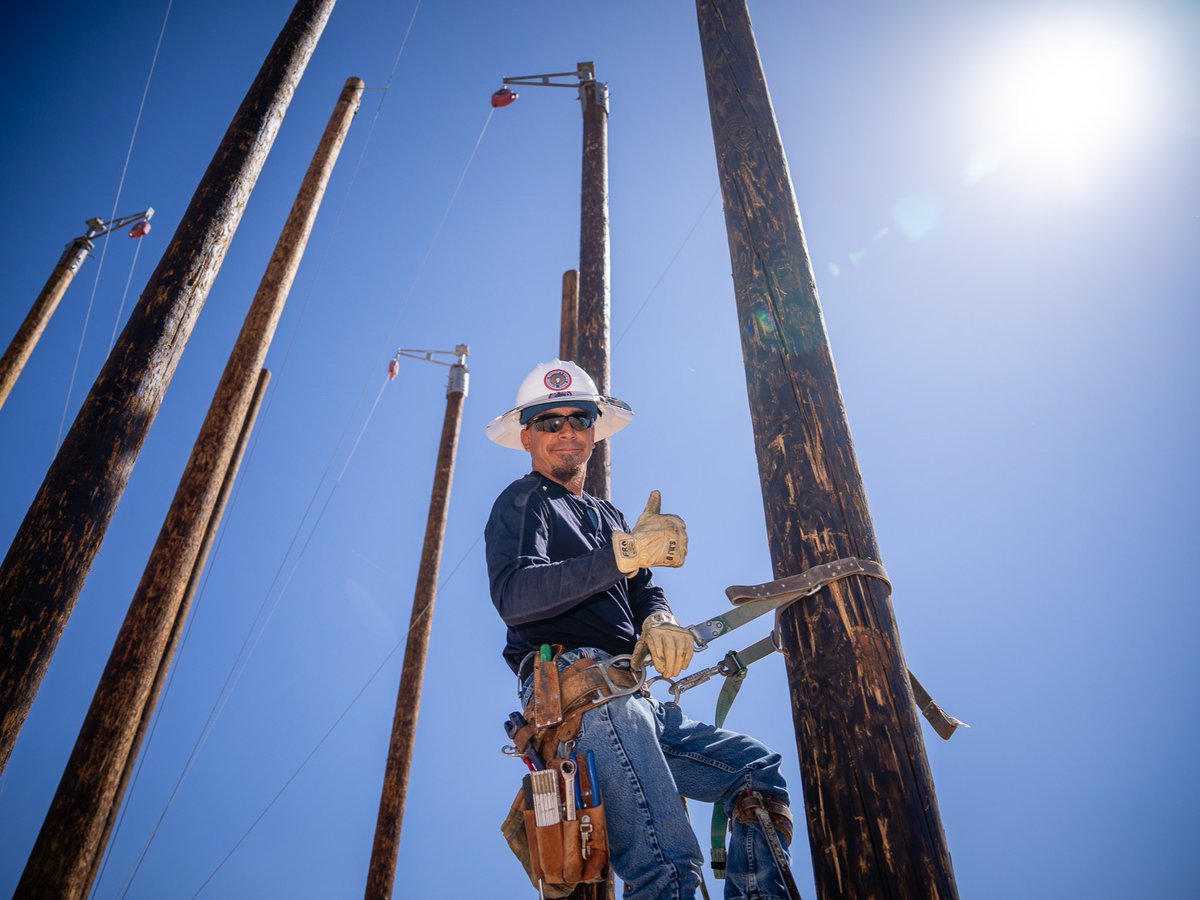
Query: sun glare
x,y
1064,98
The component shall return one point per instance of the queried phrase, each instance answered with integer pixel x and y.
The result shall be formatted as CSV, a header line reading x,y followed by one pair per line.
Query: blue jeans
x,y
647,754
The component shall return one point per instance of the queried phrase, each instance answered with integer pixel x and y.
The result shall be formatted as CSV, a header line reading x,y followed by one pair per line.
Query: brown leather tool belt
x,y
560,700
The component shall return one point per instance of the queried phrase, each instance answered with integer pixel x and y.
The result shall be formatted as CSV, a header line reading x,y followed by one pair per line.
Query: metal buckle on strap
x,y
614,691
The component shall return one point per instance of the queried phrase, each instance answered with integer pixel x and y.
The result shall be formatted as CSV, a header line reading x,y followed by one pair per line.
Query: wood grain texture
x,y
381,872
568,334
592,336
35,322
873,823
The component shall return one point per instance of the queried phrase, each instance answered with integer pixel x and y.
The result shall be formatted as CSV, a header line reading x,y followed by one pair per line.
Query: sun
x,y
1064,97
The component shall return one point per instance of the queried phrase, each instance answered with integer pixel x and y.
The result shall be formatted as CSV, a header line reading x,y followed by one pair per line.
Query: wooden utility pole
x,y
568,335
49,558
382,871
87,796
193,586
873,821
592,351
47,301
592,316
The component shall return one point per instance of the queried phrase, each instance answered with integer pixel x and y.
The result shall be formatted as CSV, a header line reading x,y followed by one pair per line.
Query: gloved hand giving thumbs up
x,y
656,540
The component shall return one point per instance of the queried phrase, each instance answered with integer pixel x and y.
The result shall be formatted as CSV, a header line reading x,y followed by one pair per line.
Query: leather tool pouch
x,y
569,851
575,850
547,696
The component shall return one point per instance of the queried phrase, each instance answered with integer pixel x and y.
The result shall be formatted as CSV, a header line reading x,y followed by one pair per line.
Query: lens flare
x,y
916,215
1064,97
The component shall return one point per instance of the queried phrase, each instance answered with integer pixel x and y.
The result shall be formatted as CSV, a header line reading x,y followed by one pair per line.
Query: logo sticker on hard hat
x,y
557,379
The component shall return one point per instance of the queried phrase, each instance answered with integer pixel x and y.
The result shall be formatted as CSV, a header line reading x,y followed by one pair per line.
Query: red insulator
x,y
503,97
393,369
141,229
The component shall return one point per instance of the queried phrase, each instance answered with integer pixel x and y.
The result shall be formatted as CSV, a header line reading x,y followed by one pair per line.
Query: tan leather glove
x,y
656,540
669,644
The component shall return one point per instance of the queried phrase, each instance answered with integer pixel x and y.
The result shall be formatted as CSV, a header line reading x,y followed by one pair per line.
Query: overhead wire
x,y
112,216
124,294
337,220
157,712
670,264
336,722
244,655
391,653
391,330
251,640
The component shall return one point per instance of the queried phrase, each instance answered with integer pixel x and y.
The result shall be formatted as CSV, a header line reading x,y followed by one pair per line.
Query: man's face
x,y
560,456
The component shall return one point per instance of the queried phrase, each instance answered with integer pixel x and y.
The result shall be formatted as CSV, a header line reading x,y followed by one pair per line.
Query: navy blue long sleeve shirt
x,y
554,579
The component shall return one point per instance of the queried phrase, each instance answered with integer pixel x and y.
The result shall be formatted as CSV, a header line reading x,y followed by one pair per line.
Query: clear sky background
x,y
1000,201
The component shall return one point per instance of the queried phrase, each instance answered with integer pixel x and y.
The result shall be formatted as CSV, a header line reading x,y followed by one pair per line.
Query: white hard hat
x,y
553,384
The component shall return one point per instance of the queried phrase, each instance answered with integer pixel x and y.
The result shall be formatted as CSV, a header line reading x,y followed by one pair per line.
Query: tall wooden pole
x,y
49,558
592,352
69,849
88,791
568,335
39,314
873,821
382,871
193,585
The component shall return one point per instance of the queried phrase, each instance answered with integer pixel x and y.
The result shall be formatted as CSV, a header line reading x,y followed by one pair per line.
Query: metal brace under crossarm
x,y
584,75
78,248
458,367
459,353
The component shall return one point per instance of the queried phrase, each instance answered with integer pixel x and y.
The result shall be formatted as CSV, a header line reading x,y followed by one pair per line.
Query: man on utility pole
x,y
572,582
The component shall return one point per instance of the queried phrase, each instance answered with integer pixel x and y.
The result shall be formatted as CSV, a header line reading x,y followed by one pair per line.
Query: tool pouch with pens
x,y
564,824
564,849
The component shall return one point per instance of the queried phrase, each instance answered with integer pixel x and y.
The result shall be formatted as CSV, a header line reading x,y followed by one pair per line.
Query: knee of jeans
x,y
766,777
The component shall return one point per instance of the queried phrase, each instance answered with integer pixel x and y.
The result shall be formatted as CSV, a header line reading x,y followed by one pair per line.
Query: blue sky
x,y
999,200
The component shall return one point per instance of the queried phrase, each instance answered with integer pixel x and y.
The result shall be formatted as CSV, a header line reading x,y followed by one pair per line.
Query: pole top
x,y
585,77
97,227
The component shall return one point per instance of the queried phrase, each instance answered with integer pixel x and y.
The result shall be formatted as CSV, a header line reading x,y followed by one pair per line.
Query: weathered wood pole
x,y
592,350
39,314
381,873
873,821
49,558
87,792
568,335
193,585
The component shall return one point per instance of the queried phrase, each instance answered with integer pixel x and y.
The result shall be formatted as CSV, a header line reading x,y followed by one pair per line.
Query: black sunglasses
x,y
554,422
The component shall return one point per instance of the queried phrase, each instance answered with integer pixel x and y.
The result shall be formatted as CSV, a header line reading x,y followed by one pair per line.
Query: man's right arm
x,y
526,584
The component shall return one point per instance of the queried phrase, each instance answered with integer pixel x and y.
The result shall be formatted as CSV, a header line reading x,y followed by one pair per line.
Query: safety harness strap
x,y
752,601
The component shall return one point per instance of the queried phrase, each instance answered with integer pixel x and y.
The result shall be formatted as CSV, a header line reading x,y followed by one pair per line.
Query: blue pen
x,y
593,781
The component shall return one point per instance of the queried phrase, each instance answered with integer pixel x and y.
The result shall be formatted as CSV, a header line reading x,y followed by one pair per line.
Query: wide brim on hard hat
x,y
615,414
